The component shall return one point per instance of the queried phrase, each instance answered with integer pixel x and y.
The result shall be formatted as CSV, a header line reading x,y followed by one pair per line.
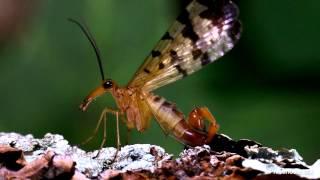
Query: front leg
x,y
103,118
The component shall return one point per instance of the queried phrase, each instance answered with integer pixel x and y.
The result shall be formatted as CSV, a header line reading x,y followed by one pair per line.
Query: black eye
x,y
107,84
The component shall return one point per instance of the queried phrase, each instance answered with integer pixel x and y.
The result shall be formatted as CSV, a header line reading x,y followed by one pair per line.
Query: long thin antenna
x,y
86,31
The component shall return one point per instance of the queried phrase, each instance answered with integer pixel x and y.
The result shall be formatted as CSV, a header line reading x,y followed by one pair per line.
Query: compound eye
x,y
107,84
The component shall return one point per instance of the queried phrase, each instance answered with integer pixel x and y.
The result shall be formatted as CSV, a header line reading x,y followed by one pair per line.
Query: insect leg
x,y
95,131
196,118
104,131
103,118
118,138
118,132
123,119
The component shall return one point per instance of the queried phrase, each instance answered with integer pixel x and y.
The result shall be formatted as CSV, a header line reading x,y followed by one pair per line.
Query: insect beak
x,y
92,96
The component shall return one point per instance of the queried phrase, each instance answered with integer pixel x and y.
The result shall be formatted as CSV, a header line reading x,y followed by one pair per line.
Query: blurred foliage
x,y
266,89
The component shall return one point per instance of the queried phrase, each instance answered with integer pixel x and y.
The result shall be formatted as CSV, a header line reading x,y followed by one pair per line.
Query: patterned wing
x,y
205,31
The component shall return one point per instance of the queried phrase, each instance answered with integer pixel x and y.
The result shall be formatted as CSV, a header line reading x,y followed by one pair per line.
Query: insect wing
x,y
205,31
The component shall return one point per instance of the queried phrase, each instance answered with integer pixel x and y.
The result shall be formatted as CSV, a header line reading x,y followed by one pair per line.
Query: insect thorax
x,y
132,103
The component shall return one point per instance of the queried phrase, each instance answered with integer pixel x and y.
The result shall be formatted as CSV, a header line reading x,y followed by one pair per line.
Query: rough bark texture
x,y
25,157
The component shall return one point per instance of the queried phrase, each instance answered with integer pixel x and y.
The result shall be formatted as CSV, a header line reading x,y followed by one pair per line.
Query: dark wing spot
x,y
146,70
157,99
214,8
166,104
155,53
206,3
196,54
211,10
167,36
219,11
205,59
188,31
174,56
173,53
161,65
235,31
180,70
183,18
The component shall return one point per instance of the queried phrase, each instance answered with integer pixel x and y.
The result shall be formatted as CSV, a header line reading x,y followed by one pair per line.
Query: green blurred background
x,y
266,89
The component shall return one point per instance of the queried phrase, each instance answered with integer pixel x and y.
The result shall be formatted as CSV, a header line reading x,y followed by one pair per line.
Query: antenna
x,y
86,32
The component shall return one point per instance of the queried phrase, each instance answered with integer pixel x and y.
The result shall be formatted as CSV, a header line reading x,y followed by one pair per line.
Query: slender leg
x,y
118,132
196,118
103,117
118,138
95,131
104,132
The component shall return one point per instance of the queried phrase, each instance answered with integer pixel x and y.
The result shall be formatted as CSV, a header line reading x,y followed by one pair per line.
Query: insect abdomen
x,y
165,112
172,121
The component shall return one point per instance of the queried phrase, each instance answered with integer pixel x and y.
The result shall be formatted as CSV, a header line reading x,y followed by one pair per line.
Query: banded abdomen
x,y
173,122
